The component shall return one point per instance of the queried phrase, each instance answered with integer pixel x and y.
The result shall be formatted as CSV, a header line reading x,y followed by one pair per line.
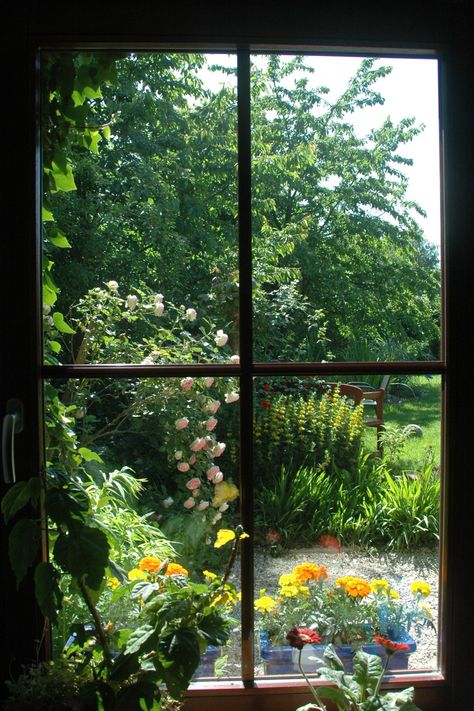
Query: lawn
x,y
423,408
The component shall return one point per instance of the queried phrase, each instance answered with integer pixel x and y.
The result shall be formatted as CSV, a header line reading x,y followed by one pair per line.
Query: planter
x,y
284,659
208,660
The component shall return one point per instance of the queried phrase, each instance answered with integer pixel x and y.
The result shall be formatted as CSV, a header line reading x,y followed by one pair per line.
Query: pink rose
x,y
181,423
208,382
211,423
193,484
218,449
183,467
189,503
213,406
202,506
186,384
198,444
235,359
212,471
217,478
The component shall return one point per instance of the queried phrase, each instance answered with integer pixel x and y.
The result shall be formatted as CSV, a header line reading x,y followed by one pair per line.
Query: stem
x,y
98,625
377,688
313,690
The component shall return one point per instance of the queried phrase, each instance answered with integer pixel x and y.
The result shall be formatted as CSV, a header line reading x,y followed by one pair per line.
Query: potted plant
x,y
347,613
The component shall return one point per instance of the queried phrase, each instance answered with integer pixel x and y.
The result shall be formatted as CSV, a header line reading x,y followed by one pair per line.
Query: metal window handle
x,y
12,425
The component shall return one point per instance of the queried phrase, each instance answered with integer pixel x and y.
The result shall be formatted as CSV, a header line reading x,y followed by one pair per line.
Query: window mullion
x,y
246,353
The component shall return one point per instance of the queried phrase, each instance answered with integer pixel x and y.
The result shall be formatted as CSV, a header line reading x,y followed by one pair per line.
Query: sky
x,y
410,90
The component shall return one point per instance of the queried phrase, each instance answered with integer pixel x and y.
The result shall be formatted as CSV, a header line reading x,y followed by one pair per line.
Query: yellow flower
x,y
224,491
394,595
355,587
309,571
287,579
208,574
289,590
420,587
380,585
264,604
224,535
137,574
149,563
176,569
113,583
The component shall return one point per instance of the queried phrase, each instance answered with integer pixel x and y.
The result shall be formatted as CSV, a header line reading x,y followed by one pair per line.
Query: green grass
x,y
423,410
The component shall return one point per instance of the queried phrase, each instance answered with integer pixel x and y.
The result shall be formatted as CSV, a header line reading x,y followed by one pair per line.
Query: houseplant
x,y
347,613
360,691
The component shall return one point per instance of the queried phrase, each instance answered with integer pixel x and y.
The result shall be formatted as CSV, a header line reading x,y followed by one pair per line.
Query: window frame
x,y
435,691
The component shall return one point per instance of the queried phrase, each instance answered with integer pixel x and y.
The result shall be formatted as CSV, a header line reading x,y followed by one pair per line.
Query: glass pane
x,y
154,464
140,208
345,163
348,517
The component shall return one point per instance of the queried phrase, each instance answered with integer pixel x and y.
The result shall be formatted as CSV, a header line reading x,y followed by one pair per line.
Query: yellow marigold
x,y
287,579
420,587
176,569
113,583
290,590
355,587
208,574
137,574
150,564
394,595
309,571
264,603
380,585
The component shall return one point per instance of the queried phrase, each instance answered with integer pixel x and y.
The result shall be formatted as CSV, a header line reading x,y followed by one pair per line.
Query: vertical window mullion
x,y
246,353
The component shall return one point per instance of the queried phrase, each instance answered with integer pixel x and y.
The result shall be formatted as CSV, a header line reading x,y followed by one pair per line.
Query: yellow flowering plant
x,y
347,610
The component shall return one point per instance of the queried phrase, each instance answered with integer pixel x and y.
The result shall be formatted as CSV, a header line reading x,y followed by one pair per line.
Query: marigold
x,y
176,569
208,574
137,574
113,583
264,603
287,579
380,585
355,587
150,564
420,587
309,571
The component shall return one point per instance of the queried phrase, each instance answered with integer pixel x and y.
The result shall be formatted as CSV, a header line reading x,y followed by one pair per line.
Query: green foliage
x,y
323,432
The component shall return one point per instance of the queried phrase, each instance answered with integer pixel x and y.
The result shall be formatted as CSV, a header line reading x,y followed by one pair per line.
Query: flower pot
x,y
284,659
208,661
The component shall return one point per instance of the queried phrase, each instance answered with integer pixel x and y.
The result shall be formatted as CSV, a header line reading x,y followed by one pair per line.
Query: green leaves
x,y
47,590
88,455
60,323
182,649
23,546
83,552
19,495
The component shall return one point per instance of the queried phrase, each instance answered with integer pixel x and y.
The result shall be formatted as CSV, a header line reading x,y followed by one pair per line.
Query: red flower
x,y
273,536
266,386
265,403
328,541
299,636
389,646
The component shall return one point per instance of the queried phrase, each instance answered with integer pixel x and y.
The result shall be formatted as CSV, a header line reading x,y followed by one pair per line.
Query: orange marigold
x,y
309,571
150,564
176,569
355,587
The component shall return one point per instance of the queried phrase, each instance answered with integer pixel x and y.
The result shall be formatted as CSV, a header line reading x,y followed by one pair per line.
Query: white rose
x,y
231,397
191,314
168,502
221,338
132,301
112,285
159,309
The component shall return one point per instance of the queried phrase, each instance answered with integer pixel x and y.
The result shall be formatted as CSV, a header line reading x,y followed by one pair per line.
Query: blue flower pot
x,y
284,659
208,660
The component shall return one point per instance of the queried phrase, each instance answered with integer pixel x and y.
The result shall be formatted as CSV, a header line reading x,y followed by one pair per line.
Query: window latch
x,y
13,422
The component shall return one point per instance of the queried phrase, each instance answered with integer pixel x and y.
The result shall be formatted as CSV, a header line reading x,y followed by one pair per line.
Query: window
x,y
357,371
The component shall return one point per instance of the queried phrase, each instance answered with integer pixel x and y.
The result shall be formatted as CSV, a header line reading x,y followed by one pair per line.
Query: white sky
x,y
411,90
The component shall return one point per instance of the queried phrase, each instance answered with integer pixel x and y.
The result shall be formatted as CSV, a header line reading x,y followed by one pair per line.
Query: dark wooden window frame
x,y
444,27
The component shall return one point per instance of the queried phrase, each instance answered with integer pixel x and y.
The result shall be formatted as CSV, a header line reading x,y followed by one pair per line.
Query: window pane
x,y
140,208
346,264
358,519
156,462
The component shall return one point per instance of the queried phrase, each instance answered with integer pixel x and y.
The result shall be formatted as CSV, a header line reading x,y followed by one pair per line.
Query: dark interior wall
x,y
437,24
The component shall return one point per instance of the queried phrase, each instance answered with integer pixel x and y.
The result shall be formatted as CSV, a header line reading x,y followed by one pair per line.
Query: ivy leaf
x,y
89,455
84,551
46,214
19,495
47,590
54,346
49,295
63,181
60,323
59,239
23,546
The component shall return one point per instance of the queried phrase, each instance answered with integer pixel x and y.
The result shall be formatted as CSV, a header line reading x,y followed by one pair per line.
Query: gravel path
x,y
400,569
